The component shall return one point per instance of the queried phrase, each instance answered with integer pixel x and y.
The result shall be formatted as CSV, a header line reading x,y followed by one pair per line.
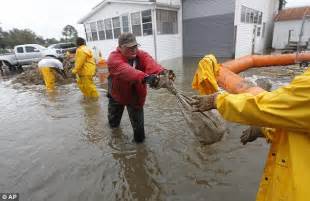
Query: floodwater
x,y
58,147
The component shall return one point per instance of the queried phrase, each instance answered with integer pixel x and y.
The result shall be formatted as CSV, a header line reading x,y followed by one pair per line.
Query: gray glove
x,y
166,79
152,80
203,103
251,134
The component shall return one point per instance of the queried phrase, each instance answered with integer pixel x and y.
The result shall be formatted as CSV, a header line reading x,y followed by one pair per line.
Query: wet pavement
x,y
59,147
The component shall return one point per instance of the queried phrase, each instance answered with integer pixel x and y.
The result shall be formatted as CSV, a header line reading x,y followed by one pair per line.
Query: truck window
x,y
30,49
20,50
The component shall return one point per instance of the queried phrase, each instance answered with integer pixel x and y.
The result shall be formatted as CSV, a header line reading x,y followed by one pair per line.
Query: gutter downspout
x,y
155,31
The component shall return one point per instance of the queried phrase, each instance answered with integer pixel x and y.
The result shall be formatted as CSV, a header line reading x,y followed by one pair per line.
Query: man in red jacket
x,y
130,70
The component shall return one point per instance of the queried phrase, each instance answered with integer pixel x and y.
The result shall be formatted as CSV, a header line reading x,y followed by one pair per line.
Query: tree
x,y
282,4
2,41
11,38
50,41
70,33
20,36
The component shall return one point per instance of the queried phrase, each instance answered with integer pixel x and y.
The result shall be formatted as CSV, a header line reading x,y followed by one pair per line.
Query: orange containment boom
x,y
235,84
253,61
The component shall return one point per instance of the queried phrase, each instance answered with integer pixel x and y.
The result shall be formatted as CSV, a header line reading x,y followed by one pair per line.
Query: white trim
x,y
105,2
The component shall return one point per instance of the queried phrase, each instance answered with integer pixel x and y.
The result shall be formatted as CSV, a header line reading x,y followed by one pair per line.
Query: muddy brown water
x,y
59,147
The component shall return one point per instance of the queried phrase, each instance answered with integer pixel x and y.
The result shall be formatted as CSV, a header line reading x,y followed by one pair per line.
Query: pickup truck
x,y
60,49
25,55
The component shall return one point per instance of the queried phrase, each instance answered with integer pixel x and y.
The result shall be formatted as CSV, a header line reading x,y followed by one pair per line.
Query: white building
x,y
157,26
287,27
228,28
173,28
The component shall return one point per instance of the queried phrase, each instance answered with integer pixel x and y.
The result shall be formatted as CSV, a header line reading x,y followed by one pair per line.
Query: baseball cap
x,y
127,40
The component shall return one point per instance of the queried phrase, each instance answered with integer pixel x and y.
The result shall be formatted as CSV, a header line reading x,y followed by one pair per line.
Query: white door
x,y
253,39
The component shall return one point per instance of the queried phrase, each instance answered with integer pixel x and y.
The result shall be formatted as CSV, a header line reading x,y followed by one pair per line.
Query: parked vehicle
x,y
60,49
24,55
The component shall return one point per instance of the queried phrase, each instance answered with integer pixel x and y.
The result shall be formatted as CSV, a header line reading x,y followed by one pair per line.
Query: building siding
x,y
281,32
209,35
203,8
168,46
208,27
245,34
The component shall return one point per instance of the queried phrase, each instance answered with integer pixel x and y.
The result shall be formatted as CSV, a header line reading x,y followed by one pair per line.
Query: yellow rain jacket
x,y
84,62
204,79
286,175
287,171
85,69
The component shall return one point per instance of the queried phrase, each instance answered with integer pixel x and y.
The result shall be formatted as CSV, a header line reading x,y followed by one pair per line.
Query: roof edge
x,y
105,2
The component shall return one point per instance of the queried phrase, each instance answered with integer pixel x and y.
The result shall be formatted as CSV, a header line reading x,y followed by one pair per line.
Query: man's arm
x,y
151,66
284,108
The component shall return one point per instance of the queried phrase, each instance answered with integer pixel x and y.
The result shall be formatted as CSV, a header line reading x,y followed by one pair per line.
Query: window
x,y
264,29
258,33
116,26
256,15
65,45
20,50
125,23
93,29
167,21
108,28
136,23
31,49
147,22
243,10
260,18
249,15
88,32
101,31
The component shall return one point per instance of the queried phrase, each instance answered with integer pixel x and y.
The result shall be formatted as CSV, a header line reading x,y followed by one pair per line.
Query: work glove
x,y
203,103
151,80
170,74
166,79
74,71
251,134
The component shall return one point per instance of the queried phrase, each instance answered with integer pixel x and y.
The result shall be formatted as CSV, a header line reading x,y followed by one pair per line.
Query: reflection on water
x,y
60,147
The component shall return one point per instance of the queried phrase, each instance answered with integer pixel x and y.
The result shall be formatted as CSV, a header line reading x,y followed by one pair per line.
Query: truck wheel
x,y
1,70
20,69
10,67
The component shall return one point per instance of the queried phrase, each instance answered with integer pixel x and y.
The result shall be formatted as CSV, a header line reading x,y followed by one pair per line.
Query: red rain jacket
x,y
127,87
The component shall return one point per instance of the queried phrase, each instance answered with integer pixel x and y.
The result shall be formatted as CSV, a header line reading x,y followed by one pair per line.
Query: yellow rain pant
x,y
204,80
48,77
87,86
286,175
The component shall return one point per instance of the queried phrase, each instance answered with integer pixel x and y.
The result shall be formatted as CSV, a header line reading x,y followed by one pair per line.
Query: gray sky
x,y
48,17
45,17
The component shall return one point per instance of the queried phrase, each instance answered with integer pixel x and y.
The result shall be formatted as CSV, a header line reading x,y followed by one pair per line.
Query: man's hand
x,y
171,75
251,134
203,103
152,80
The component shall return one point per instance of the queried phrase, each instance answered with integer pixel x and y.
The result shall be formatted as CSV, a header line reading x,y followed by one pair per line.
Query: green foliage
x,y
69,33
282,4
11,38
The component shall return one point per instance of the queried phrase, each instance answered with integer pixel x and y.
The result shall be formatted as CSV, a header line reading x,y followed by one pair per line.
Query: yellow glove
x,y
73,71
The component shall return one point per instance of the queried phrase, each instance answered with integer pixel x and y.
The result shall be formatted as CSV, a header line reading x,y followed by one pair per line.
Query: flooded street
x,y
58,147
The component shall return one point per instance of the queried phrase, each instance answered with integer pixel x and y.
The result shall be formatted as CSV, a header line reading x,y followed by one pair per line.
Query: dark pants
x,y
136,116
